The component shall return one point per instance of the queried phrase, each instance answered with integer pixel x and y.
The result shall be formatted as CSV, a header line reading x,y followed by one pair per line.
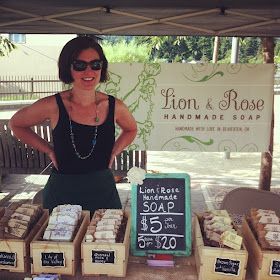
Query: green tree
x,y
277,51
250,50
189,48
179,48
6,46
123,51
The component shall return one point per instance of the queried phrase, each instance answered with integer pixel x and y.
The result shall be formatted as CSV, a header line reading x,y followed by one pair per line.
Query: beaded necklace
x,y
72,136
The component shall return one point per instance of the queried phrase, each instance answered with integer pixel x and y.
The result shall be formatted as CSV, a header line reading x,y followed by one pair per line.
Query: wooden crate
x,y
63,255
264,264
19,249
114,257
210,260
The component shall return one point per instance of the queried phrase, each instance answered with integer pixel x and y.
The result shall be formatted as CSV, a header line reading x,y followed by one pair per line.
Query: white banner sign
x,y
197,107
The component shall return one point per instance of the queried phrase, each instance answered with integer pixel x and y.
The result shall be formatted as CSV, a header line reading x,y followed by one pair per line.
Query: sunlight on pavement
x,y
23,196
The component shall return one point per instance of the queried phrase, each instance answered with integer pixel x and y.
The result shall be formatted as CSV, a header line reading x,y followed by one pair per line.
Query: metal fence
x,y
28,87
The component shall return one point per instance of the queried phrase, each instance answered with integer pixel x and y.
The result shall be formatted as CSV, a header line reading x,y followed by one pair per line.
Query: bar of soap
x,y
58,235
19,216
105,234
16,224
63,219
113,212
113,217
109,222
102,227
18,232
26,211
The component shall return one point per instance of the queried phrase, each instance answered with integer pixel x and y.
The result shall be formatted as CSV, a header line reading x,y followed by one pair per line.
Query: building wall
x,y
37,56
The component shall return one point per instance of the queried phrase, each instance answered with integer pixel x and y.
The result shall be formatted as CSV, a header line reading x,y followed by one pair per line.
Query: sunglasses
x,y
80,65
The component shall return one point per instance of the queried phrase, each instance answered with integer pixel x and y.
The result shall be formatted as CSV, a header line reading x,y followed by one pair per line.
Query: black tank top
x,y
68,162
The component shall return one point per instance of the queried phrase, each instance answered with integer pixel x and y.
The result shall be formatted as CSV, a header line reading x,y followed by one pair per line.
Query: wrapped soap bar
x,y
263,216
26,211
68,208
271,227
269,245
19,216
272,236
220,219
63,219
217,226
113,212
22,222
102,227
58,235
267,227
232,240
60,227
18,232
113,217
32,206
72,214
16,224
47,277
268,218
109,222
105,234
260,212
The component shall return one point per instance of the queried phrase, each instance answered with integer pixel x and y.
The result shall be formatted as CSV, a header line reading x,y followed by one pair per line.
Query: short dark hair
x,y
71,51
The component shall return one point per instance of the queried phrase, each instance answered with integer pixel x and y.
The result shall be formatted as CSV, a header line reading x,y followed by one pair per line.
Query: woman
x,y
83,128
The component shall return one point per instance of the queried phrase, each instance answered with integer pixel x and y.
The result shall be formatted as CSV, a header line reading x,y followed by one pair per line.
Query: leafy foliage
x,y
199,48
6,46
123,51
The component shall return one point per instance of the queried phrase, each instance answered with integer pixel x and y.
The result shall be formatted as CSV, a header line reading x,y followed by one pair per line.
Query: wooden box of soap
x,y
107,258
264,264
15,252
59,257
214,263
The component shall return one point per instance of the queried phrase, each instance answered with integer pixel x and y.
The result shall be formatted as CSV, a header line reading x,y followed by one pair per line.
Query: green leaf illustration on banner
x,y
113,85
142,92
203,72
179,143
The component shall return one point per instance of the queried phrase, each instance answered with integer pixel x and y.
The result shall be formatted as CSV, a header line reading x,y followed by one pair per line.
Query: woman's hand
x,y
52,157
113,155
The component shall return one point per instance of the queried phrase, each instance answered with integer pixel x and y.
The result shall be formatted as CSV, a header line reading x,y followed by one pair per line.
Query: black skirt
x,y
92,191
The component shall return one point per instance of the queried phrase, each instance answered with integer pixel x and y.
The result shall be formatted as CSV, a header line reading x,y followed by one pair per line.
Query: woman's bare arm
x,y
22,121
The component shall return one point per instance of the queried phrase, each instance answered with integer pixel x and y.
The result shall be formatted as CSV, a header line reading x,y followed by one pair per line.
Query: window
x,y
17,38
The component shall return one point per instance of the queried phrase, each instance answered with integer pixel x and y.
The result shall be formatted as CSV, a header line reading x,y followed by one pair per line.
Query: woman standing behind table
x,y
83,128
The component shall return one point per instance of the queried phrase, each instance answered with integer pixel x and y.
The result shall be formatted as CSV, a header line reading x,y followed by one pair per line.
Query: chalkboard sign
x,y
161,215
8,259
102,256
227,266
275,268
53,259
